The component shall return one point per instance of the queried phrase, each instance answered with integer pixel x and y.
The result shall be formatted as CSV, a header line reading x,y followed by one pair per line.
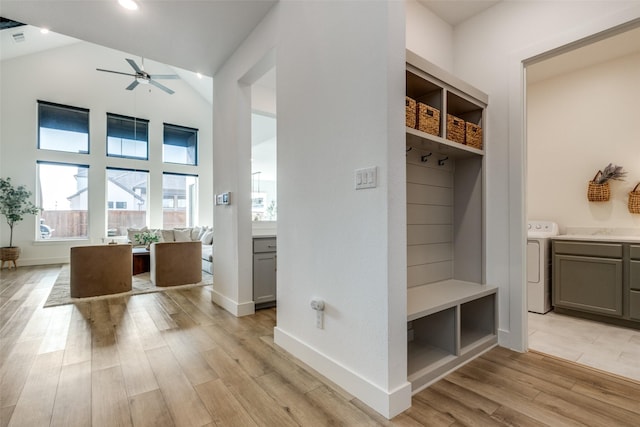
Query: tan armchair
x,y
176,263
99,270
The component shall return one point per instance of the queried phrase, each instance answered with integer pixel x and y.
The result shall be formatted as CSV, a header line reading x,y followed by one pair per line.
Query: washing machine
x,y
539,265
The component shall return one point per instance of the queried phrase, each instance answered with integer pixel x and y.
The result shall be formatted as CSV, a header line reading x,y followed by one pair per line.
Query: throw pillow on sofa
x,y
183,235
207,238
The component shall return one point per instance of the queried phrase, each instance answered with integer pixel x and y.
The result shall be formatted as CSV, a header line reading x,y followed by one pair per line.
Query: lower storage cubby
x,y
477,322
449,323
434,340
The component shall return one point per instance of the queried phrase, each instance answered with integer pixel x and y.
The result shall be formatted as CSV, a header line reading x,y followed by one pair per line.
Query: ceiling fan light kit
x,y
142,77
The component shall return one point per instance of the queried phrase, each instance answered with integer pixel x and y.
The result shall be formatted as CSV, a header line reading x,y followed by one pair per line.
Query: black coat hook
x,y
424,158
441,161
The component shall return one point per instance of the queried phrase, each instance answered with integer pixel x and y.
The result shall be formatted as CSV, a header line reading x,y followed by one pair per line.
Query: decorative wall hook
x,y
441,161
425,157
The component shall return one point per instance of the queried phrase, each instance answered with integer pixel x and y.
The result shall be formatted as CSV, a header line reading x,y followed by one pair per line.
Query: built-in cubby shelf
x,y
431,143
451,312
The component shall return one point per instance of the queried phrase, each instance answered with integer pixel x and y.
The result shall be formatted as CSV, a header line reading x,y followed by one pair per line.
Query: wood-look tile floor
x,y
175,359
614,349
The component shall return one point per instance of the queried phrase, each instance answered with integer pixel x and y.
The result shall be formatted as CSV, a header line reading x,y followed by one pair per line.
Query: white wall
x,y
68,76
577,123
489,50
337,111
429,36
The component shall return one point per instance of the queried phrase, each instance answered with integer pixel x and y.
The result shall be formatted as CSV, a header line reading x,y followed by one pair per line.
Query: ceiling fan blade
x,y
134,65
116,72
159,86
164,76
133,85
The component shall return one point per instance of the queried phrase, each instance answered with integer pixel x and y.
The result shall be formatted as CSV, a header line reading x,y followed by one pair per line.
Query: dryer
x,y
539,265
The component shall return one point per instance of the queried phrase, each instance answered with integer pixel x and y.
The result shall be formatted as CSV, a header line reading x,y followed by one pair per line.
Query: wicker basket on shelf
x,y
455,129
410,112
473,136
634,200
598,192
428,119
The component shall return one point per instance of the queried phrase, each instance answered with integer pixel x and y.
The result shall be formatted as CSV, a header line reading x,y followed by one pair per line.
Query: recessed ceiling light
x,y
128,4
44,30
199,75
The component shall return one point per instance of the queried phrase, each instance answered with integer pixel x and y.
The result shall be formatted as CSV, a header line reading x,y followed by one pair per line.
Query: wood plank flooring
x,y
176,359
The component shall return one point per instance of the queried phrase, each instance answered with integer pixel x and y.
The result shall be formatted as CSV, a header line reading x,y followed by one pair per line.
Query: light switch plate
x,y
366,178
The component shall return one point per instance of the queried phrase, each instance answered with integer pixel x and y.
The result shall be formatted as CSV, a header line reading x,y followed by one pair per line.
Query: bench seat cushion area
x,y
99,270
176,263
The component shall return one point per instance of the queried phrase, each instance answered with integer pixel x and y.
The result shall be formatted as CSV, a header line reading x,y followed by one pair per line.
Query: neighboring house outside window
x,y
128,191
63,128
180,145
127,137
179,200
64,197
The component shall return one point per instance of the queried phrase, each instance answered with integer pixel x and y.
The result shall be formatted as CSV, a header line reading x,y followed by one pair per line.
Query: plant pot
x,y
11,254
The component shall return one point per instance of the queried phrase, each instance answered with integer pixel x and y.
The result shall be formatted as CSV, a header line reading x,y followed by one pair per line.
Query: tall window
x,y
126,200
127,137
179,200
63,128
180,145
263,167
64,196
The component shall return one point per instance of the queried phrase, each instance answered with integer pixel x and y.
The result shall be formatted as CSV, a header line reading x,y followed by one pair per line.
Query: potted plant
x,y
147,238
14,205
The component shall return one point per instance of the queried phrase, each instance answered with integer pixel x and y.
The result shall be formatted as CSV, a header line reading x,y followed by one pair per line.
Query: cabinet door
x,y
634,275
588,284
264,278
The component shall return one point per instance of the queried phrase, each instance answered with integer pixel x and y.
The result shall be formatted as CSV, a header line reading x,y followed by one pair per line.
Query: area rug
x,y
141,284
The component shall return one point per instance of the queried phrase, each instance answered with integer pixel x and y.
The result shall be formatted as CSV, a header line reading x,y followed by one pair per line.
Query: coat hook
x,y
441,161
424,158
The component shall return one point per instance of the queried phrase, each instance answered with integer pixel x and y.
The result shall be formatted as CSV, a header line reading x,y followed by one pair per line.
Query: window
x,y
63,128
263,167
64,198
127,195
127,137
180,145
179,201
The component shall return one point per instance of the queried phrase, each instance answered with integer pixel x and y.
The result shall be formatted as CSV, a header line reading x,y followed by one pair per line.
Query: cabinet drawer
x,y
635,252
264,245
634,305
634,275
603,250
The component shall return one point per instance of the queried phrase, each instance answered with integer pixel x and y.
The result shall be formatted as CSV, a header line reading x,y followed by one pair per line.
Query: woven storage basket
x,y
428,119
473,136
410,112
455,129
634,200
598,192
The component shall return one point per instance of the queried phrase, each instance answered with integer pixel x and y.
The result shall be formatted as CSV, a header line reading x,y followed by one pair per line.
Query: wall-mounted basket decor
x,y
634,200
598,192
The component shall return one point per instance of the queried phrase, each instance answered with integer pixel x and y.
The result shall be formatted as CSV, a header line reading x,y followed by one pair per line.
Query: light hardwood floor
x,y
174,358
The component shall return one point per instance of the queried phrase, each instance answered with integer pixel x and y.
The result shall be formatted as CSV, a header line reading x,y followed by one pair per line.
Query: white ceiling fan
x,y
142,77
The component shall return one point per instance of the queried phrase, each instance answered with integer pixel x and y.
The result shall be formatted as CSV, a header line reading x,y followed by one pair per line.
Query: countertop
x,y
619,235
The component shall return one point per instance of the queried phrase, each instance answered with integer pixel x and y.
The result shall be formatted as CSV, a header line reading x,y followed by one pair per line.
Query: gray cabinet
x,y
599,279
264,271
634,282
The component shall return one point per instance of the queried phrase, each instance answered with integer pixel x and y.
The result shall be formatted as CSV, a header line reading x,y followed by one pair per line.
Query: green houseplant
x,y
14,205
147,238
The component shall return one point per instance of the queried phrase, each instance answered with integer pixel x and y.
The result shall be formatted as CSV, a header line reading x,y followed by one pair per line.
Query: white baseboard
x,y
42,261
233,307
387,403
